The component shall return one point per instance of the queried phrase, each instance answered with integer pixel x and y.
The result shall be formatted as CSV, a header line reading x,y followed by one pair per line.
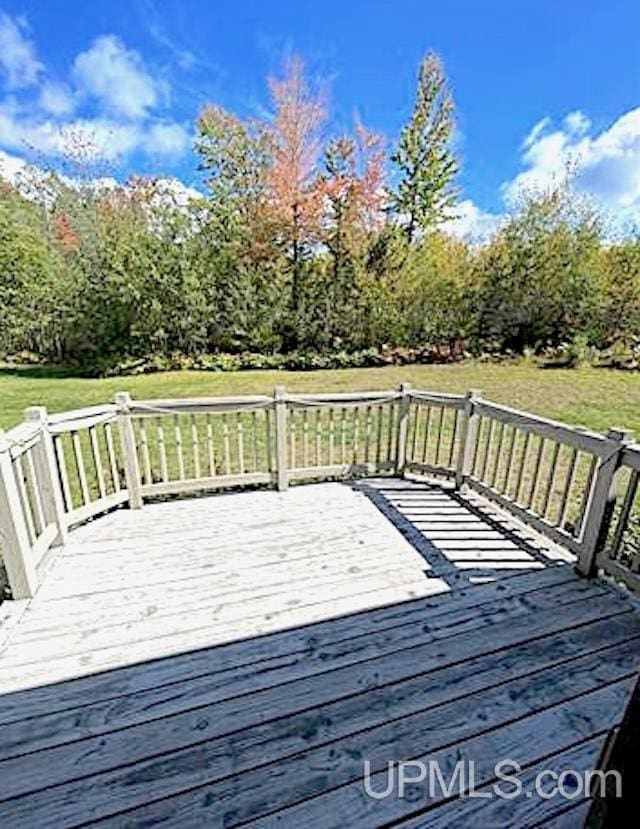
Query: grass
x,y
595,398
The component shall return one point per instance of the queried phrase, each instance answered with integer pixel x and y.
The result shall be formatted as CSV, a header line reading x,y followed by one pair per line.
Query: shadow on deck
x,y
173,673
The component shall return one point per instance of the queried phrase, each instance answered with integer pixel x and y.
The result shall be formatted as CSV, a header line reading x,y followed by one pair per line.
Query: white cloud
x,y
117,77
100,138
604,165
106,109
10,166
56,98
168,139
17,53
471,223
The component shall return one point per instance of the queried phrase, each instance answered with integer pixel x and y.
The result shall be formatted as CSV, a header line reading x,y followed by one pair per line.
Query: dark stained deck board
x,y
378,659
272,730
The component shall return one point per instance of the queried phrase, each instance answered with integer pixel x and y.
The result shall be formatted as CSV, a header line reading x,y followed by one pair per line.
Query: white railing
x,y
59,470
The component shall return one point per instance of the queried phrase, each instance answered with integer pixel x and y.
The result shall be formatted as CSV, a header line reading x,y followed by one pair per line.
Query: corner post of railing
x,y
599,510
47,475
468,436
130,454
281,417
14,538
403,428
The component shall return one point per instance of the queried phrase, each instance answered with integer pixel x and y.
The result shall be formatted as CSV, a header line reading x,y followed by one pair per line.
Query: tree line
x,y
303,243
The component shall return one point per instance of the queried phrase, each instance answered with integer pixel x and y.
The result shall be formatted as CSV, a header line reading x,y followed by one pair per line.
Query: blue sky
x,y
537,84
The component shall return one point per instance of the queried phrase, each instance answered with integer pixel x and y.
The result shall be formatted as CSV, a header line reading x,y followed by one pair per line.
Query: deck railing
x,y
577,487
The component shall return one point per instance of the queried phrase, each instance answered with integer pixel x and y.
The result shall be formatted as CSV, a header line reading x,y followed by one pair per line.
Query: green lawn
x,y
596,398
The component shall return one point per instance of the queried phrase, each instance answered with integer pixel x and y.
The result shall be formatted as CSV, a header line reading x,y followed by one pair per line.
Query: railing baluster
x,y
318,454
509,459
292,436
24,499
367,435
80,468
179,453
536,472
162,450
494,474
97,461
240,437
487,450
379,436
254,440
111,454
144,452
211,452
355,446
522,467
391,432
546,504
38,510
427,427
414,426
331,436
564,501
225,444
62,471
305,438
454,434
18,473
476,448
195,446
343,437
268,449
439,437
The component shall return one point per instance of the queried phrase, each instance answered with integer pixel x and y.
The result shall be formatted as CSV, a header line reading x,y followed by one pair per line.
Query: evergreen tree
x,y
427,166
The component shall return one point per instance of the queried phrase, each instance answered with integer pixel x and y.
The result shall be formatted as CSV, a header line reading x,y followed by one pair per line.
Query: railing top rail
x,y
341,398
80,414
20,438
75,419
577,437
171,406
438,398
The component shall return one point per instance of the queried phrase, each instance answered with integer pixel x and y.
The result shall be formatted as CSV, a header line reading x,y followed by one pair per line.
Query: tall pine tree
x,y
427,165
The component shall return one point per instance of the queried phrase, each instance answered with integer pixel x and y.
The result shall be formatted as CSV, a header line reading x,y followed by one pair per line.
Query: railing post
x,y
47,476
14,539
403,427
128,440
468,437
599,511
280,402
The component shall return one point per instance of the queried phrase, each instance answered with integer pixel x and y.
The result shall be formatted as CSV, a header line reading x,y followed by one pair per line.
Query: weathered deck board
x,y
260,646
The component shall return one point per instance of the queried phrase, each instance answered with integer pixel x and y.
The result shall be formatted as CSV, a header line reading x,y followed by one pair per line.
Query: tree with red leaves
x,y
295,197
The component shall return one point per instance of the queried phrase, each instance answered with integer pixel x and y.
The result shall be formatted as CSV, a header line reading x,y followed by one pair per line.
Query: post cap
x,y
123,399
35,413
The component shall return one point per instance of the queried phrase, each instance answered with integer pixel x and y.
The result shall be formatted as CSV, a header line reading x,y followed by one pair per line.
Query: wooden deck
x,y
234,660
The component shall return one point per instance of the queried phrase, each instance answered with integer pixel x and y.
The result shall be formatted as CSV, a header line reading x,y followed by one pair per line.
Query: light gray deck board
x,y
258,646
